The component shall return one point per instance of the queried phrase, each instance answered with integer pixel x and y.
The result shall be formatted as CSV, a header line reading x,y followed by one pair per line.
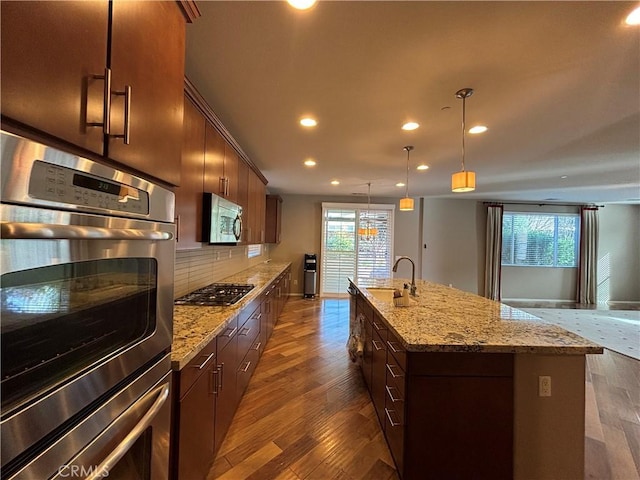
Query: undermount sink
x,y
383,294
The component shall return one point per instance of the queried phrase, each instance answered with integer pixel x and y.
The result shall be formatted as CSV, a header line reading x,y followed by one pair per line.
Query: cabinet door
x,y
50,53
147,54
189,194
227,400
273,220
231,173
214,161
243,195
197,427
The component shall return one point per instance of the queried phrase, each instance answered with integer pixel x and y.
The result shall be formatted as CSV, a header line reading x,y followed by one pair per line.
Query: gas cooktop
x,y
215,294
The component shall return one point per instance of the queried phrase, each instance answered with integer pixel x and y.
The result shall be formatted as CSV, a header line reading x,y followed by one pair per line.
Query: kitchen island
x,y
465,387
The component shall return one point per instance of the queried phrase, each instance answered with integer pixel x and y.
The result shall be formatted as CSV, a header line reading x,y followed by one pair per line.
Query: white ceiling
x,y
557,83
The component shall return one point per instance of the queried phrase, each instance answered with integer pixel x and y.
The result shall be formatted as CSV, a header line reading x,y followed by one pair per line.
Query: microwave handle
x,y
18,230
237,227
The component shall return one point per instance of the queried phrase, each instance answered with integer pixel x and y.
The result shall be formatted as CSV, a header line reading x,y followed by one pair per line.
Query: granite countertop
x,y
445,319
195,326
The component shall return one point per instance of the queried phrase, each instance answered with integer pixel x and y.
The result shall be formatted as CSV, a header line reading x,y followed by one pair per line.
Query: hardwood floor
x,y
307,414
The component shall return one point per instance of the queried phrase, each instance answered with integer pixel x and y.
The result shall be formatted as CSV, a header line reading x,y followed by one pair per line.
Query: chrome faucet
x,y
413,273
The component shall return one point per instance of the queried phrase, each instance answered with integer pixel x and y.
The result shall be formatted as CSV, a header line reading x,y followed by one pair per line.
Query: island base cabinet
x,y
227,400
458,428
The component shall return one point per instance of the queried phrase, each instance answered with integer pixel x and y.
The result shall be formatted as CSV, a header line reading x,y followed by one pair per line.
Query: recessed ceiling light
x,y
308,122
399,184
422,167
310,162
478,129
634,17
410,126
335,182
301,4
563,177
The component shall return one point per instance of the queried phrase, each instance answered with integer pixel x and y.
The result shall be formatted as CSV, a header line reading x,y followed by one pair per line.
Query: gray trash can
x,y
310,274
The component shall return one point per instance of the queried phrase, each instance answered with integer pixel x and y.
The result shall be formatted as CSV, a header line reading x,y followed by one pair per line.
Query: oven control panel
x,y
56,183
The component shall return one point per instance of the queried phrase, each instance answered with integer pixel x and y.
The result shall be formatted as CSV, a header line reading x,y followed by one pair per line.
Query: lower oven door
x,y
125,438
87,304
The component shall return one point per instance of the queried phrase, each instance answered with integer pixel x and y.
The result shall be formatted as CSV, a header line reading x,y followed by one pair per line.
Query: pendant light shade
x,y
406,203
463,181
367,232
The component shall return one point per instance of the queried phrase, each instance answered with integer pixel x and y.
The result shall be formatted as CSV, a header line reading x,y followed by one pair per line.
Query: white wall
x,y
453,231
619,253
453,243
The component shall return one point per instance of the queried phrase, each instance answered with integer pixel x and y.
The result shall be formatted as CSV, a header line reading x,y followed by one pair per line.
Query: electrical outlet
x,y
544,386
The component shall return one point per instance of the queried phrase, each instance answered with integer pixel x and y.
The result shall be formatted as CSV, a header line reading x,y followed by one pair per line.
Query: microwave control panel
x,y
60,184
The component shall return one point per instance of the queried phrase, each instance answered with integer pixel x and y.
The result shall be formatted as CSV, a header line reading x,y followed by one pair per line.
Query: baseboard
x,y
623,302
541,300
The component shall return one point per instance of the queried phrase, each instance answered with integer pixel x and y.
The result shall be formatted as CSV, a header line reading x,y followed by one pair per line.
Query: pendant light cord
x,y
464,98
408,148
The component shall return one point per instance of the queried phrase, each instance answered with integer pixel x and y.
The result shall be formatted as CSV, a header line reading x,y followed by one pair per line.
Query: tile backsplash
x,y
198,268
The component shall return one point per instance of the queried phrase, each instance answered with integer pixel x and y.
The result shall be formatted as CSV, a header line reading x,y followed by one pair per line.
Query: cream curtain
x,y
493,254
588,260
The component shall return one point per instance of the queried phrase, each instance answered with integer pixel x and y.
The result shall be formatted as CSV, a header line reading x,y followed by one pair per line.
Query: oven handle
x,y
19,230
163,393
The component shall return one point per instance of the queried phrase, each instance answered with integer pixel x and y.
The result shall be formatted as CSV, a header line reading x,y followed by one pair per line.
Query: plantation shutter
x,y
348,254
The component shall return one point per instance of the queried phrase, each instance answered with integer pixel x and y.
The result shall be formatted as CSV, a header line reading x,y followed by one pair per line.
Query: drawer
x,y
227,334
245,370
196,367
395,348
248,333
379,325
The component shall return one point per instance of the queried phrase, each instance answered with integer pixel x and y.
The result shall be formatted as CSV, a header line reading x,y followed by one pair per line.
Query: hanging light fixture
x,y
406,203
463,181
369,231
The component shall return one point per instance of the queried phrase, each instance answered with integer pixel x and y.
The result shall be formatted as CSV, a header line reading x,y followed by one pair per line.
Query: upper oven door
x,y
86,302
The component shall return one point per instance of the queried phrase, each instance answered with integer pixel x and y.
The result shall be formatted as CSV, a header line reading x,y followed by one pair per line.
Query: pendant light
x,y
463,181
368,232
406,203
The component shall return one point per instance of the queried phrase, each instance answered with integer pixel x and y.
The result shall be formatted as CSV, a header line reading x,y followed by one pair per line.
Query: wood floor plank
x,y
307,415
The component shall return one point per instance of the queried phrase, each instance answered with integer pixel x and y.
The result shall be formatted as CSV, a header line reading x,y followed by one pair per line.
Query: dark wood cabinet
x,y
57,57
273,220
147,56
228,362
189,193
243,195
193,442
221,166
444,415
51,55
257,209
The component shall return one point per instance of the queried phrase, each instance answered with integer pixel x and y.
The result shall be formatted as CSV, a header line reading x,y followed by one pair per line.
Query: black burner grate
x,y
216,294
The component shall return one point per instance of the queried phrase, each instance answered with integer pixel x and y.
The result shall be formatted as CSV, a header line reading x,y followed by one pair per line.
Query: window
x,y
254,251
540,240
345,253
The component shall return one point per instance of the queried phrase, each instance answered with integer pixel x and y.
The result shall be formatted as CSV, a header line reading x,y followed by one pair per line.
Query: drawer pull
x,y
201,366
394,374
245,331
378,327
394,349
214,381
389,412
230,334
257,346
246,367
393,399
375,345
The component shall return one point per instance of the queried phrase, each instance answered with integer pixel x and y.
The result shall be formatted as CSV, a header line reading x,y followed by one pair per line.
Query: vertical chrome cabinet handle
x,y
213,378
221,186
106,103
127,114
221,377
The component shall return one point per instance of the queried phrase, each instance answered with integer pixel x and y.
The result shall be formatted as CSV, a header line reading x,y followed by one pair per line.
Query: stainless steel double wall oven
x,y
87,258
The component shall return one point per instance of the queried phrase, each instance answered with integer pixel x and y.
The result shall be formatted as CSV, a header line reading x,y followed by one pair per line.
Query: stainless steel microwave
x,y
222,220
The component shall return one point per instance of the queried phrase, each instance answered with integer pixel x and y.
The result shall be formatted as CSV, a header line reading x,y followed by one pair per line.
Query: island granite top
x,y
445,319
195,326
